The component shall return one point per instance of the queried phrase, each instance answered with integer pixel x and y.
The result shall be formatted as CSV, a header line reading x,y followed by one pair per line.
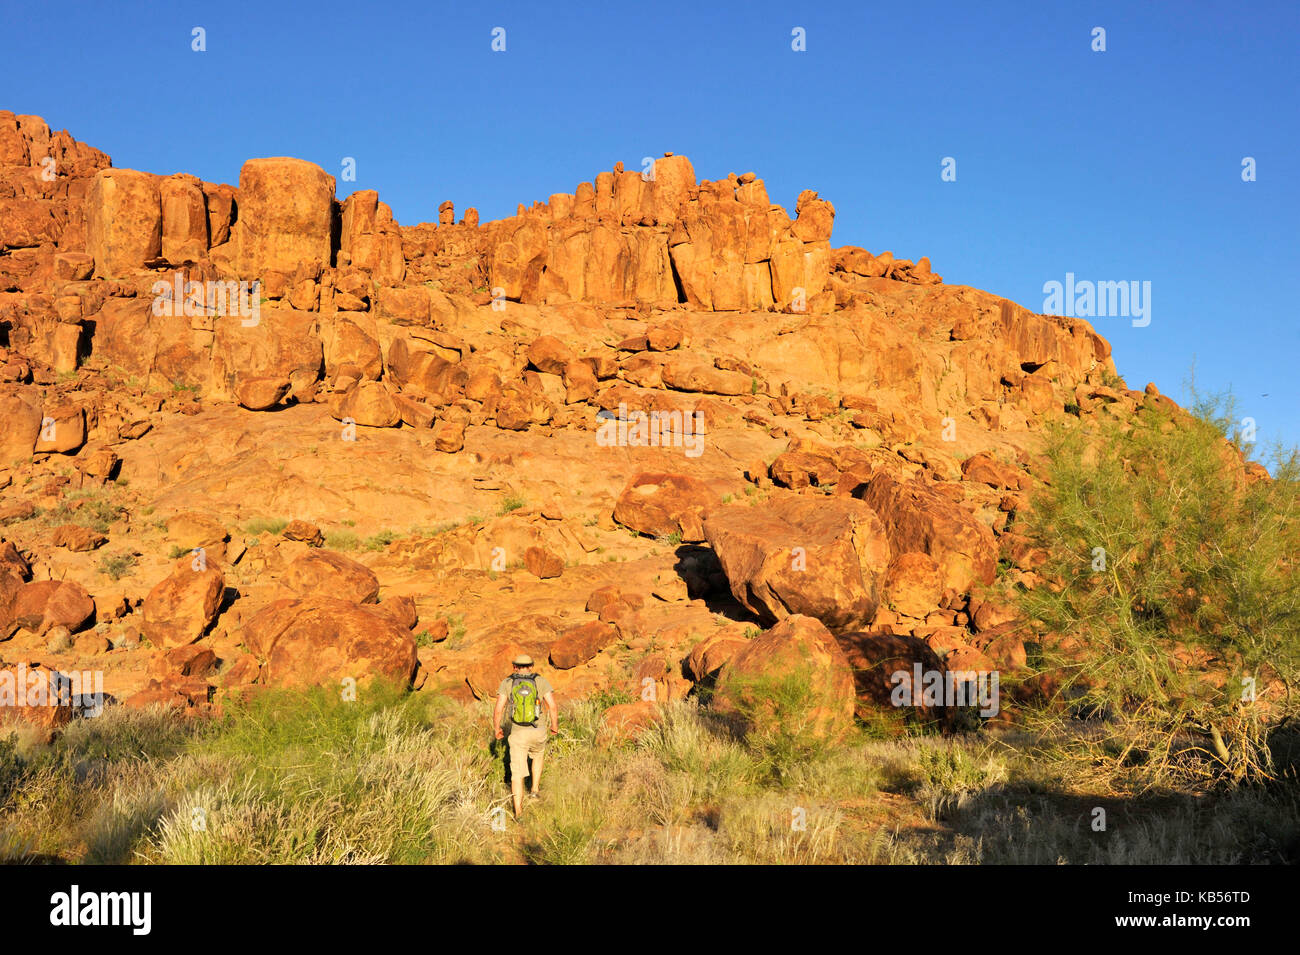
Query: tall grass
x,y
305,778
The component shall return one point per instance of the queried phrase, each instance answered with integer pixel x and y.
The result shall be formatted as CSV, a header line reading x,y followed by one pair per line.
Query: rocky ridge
x,y
418,449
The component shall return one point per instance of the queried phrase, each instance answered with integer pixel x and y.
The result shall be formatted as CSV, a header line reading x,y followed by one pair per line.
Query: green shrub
x,y
381,540
780,715
1161,553
455,630
117,566
12,769
609,696
342,540
95,511
263,525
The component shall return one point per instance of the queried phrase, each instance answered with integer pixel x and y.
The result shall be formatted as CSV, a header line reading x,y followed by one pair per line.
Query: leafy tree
x,y
1170,601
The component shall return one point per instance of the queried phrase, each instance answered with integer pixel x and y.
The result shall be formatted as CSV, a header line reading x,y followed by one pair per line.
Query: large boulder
x,y
47,700
665,504
14,571
550,355
130,336
884,674
44,604
286,213
261,393
69,606
21,413
691,374
368,403
328,573
184,219
821,557
422,369
183,605
322,641
191,530
798,648
709,655
626,721
63,428
370,239
914,585
280,342
521,406
123,221
352,349
579,644
918,519
26,603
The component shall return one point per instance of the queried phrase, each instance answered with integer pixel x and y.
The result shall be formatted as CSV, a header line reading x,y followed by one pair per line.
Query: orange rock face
x,y
286,212
883,662
918,520
581,643
123,221
321,641
453,402
914,584
821,559
330,574
182,606
665,504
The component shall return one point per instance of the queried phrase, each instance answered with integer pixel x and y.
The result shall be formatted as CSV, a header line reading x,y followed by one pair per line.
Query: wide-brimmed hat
x,y
523,660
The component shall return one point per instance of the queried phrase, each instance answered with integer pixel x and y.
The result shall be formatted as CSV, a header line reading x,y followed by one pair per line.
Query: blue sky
x,y
1122,165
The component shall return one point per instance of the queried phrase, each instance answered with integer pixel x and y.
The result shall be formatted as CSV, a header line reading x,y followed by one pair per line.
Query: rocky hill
x,y
256,436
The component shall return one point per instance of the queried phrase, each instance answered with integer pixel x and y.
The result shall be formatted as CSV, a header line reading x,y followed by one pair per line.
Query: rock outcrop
x,y
624,430
821,559
801,651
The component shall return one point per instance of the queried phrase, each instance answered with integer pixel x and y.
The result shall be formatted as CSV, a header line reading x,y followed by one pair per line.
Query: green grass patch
x,y
265,525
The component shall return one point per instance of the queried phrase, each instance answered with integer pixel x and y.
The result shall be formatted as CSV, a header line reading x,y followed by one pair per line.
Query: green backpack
x,y
523,700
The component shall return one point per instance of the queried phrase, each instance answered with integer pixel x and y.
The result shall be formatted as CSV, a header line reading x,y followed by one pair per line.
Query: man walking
x,y
522,693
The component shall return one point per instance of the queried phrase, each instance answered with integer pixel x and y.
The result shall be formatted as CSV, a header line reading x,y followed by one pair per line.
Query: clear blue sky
x,y
1122,165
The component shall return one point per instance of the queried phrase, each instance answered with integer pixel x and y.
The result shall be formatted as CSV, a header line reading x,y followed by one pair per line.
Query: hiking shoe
x,y
534,795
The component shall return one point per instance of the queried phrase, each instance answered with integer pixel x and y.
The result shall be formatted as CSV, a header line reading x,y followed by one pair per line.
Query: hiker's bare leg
x,y
537,771
517,793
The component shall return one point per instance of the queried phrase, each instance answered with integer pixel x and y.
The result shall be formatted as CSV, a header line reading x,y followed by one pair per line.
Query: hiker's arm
x,y
549,699
496,717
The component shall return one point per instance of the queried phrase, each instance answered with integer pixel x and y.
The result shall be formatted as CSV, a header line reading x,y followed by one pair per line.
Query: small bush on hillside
x,y
381,540
781,716
263,525
1171,573
117,566
342,541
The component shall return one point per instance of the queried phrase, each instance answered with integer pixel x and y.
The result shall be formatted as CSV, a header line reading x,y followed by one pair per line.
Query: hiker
x,y
523,692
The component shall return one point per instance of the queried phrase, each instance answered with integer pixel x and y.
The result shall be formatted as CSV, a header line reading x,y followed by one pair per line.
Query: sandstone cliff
x,y
411,382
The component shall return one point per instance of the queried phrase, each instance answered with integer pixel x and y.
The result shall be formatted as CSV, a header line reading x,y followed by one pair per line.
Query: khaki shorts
x,y
525,741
